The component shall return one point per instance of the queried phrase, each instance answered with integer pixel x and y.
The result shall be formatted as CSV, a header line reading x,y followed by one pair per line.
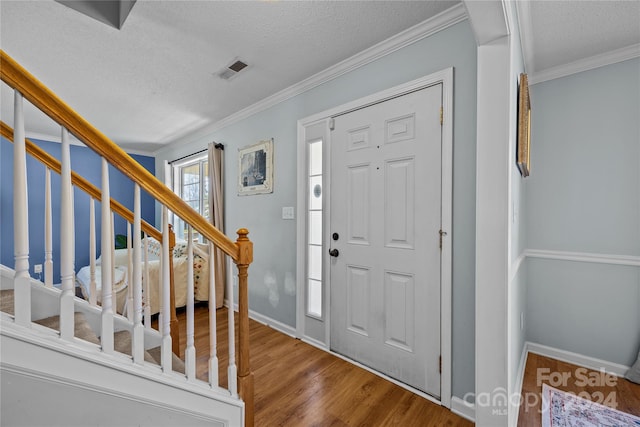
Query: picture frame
x,y
524,127
255,168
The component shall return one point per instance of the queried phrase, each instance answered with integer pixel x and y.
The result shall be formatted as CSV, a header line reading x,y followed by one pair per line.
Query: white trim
x,y
488,20
515,265
42,337
444,77
577,359
586,64
314,342
119,393
513,422
53,138
267,321
75,141
628,260
301,227
463,408
442,21
274,324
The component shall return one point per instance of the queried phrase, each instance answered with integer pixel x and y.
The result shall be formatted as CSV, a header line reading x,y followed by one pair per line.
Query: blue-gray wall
x,y
89,165
275,239
584,196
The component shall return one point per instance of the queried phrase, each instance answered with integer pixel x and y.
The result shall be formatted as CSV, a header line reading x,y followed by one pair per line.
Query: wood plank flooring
x,y
615,392
297,384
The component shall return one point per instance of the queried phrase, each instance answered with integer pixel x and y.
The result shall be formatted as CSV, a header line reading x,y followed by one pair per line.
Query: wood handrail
x,y
241,251
49,103
52,163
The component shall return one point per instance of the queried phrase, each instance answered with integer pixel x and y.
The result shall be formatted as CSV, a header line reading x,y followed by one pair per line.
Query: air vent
x,y
232,70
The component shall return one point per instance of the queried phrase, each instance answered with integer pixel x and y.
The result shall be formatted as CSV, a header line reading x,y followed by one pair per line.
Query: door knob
x,y
334,252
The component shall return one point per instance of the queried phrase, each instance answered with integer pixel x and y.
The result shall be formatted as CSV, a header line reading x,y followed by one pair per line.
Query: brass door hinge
x,y
441,116
440,364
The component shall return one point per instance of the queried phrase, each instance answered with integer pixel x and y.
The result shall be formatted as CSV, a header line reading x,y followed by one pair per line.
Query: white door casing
x,y
307,326
385,213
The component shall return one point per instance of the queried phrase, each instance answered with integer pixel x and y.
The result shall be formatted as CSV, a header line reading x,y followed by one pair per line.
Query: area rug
x,y
562,409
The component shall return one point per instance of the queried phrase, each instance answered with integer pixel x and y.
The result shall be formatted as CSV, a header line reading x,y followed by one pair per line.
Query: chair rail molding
x,y
593,258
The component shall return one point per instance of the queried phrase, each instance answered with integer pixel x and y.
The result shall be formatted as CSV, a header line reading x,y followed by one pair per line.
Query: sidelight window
x,y
314,226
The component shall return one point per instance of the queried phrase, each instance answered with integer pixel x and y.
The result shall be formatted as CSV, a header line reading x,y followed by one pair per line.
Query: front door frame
x,y
445,77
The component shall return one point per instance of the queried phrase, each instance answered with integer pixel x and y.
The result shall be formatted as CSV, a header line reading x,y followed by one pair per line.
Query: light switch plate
x,y
287,212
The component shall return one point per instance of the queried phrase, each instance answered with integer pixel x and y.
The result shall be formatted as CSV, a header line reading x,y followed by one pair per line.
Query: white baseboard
x,y
278,326
314,342
577,359
463,408
266,320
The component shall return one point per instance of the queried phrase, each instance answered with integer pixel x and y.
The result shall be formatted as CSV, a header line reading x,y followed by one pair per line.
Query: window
x,y
314,225
191,183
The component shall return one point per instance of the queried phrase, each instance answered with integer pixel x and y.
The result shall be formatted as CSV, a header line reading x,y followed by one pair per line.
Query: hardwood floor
x,y
297,384
606,389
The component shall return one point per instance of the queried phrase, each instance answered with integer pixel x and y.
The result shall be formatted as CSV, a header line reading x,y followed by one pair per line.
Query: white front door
x,y
385,215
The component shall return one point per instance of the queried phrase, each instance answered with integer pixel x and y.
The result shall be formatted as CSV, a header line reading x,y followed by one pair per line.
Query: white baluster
x,y
129,303
48,232
66,241
93,297
22,279
166,315
106,253
190,351
232,370
213,341
147,288
112,240
138,330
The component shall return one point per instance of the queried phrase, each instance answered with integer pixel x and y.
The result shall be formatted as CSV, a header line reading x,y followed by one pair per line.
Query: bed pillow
x,y
634,373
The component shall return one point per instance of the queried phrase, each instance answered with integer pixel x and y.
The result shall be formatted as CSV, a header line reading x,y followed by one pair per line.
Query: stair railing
x,y
53,164
26,86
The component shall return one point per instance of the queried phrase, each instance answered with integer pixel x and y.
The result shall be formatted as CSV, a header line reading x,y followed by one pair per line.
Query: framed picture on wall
x,y
524,127
255,168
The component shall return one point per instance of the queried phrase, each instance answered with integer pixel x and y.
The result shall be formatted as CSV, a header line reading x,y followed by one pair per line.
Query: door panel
x,y
386,202
358,191
400,204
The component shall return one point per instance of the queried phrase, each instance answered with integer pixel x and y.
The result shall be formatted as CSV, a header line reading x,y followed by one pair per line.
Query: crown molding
x,y
443,20
596,61
52,138
75,141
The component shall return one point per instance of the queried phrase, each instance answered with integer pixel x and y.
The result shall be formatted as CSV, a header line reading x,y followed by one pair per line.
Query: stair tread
x,y
122,344
6,301
82,330
81,327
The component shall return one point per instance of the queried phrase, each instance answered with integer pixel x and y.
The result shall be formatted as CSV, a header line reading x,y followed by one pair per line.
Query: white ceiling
x,y
556,34
155,81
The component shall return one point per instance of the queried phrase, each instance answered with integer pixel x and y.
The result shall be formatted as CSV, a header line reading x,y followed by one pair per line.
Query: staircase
x,y
67,361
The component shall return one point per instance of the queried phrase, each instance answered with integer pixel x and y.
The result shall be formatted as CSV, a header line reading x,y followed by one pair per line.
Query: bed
x,y
180,271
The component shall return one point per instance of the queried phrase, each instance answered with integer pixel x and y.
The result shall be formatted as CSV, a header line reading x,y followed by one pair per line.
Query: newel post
x,y
245,376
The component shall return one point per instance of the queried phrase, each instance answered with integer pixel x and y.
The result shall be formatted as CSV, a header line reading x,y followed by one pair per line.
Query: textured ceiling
x,y
562,32
155,80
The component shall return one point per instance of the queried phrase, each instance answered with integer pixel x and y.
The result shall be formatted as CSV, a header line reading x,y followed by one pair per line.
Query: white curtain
x,y
216,215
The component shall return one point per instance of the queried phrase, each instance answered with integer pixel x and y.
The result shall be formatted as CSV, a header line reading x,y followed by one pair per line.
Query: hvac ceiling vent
x,y
232,70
